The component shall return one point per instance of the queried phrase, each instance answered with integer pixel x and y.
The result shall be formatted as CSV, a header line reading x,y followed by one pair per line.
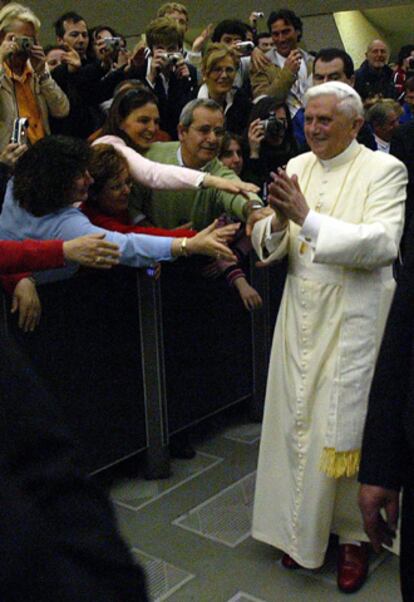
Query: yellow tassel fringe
x,y
340,464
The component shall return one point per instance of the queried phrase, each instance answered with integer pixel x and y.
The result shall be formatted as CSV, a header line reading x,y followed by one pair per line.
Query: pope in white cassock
x,y
338,214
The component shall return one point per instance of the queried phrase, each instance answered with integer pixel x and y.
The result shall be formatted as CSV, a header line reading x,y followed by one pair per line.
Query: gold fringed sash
x,y
340,464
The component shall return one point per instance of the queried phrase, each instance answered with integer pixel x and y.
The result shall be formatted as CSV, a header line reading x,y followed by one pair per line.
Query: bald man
x,y
374,78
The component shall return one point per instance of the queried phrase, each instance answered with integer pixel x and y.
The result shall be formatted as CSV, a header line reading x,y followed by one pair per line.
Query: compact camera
x,y
272,126
258,15
24,44
19,133
112,44
245,47
173,58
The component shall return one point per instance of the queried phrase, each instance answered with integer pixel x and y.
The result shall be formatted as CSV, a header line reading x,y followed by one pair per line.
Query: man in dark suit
x,y
387,464
402,147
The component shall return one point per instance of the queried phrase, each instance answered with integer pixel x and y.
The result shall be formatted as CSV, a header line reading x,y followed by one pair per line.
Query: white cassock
x,y
335,303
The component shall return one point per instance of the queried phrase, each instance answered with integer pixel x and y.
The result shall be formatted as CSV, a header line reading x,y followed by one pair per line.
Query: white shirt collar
x,y
382,145
182,164
203,93
343,157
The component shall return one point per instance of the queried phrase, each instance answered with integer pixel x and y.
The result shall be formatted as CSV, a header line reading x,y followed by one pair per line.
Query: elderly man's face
x,y
201,141
329,131
377,54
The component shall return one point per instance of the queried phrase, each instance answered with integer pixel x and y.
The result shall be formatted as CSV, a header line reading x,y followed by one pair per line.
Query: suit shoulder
x,y
380,159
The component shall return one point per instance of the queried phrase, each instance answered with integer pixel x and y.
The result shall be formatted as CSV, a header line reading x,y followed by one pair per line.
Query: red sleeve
x,y
10,281
16,256
111,223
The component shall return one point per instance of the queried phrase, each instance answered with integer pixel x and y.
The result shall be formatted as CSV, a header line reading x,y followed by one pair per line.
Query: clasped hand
x,y
286,198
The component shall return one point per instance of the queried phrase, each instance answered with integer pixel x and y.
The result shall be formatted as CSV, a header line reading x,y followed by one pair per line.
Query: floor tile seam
x,y
177,490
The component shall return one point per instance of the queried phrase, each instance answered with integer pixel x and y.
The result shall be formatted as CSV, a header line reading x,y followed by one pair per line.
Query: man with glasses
x,y
200,131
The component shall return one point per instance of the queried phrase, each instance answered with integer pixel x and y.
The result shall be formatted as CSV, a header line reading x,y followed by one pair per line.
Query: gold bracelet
x,y
183,247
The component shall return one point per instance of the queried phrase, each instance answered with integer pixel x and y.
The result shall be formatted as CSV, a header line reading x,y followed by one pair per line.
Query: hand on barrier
x,y
92,251
249,295
26,301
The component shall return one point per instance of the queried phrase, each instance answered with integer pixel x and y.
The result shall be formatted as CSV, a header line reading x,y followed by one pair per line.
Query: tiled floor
x,y
192,533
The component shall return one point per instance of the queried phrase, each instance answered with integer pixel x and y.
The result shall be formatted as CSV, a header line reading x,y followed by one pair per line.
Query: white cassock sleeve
x,y
372,243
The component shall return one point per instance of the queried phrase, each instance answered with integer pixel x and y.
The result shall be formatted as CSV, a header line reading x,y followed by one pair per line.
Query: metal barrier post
x,y
259,279
152,346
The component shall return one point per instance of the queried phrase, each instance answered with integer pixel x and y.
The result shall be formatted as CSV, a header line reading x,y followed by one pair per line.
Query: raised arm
x,y
171,177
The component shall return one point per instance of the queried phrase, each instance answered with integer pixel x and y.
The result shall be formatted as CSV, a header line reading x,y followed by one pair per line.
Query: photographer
x,y
173,80
271,142
26,87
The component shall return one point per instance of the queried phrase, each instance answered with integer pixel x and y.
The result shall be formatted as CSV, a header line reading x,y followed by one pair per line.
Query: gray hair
x,y
349,101
187,114
378,113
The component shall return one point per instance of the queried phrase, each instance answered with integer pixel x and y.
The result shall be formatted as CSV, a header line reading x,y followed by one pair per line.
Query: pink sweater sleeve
x,y
151,174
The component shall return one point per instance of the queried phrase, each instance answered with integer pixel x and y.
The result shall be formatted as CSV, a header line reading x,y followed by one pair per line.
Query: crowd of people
x,y
242,140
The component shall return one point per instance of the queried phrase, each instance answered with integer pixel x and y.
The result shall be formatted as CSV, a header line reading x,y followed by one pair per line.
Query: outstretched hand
x,y
213,241
232,186
92,251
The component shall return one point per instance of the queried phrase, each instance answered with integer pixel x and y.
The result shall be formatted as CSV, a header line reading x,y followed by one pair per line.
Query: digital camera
x,y
24,44
112,44
19,133
172,58
245,47
258,14
272,126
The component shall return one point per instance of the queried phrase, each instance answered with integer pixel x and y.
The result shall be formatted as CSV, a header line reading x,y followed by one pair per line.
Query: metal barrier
x,y
133,360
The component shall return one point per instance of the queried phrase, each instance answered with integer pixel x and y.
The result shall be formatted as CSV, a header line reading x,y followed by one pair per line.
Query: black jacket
x,y
180,92
388,444
371,82
58,539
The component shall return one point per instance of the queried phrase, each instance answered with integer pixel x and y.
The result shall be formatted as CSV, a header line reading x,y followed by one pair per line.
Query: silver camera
x,y
173,58
258,15
19,133
112,44
24,44
245,47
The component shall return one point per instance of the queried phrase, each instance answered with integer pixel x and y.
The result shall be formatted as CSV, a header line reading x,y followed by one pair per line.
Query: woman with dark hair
x,y
270,141
231,152
129,132
107,203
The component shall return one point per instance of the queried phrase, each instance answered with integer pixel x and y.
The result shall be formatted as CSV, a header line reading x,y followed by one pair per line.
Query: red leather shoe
x,y
352,567
289,563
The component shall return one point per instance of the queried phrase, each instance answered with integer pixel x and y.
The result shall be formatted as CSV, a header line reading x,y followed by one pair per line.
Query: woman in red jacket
x,y
107,204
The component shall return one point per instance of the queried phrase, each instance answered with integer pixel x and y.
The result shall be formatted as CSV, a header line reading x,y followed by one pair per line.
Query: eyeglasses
x,y
216,71
205,130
